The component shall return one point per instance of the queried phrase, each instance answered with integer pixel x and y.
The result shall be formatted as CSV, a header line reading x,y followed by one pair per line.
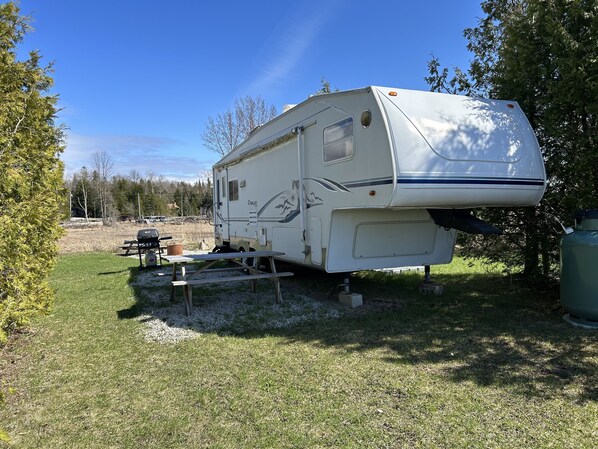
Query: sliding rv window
x,y
338,141
233,189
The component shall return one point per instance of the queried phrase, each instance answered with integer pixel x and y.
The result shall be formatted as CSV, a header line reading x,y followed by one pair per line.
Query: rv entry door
x,y
221,205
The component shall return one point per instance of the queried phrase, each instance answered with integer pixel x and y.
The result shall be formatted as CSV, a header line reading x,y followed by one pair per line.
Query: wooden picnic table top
x,y
221,256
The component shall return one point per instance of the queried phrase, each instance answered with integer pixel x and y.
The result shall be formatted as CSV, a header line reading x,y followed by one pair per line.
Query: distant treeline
x,y
130,197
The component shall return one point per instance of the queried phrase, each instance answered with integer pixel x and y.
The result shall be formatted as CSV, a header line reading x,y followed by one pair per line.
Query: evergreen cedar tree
x,y
542,54
125,196
31,186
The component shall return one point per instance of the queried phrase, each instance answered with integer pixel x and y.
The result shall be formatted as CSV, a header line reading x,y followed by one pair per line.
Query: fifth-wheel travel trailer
x,y
375,178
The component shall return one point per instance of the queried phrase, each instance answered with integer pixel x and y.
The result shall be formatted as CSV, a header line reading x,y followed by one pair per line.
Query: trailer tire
x,y
247,260
222,249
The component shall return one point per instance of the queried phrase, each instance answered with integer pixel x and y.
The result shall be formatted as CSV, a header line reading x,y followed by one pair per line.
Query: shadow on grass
x,y
108,273
484,329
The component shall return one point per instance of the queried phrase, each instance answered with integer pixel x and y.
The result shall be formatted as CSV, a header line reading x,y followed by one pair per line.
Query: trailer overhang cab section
x,y
460,152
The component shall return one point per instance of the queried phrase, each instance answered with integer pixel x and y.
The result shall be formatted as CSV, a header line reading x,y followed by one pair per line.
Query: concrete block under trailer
x,y
375,178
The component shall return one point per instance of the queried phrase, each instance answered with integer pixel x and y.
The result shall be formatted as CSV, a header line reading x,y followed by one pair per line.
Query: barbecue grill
x,y
148,244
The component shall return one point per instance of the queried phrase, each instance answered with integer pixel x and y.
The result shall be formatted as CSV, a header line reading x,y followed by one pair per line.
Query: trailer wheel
x,y
222,249
250,260
247,260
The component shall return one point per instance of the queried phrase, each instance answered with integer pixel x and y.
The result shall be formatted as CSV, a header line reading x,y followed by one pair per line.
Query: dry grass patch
x,y
110,238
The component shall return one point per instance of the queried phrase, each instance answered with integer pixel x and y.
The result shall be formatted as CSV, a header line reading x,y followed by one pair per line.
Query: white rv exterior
x,y
343,181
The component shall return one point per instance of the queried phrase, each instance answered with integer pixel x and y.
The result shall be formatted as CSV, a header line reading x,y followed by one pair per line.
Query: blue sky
x,y
138,79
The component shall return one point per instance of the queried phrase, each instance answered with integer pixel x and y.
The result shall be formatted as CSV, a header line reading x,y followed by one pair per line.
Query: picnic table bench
x,y
245,261
129,245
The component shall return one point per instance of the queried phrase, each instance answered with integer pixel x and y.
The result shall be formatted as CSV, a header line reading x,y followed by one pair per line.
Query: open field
x,y
488,365
109,238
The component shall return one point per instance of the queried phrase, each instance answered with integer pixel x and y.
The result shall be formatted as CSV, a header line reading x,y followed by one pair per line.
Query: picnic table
x,y
245,261
128,246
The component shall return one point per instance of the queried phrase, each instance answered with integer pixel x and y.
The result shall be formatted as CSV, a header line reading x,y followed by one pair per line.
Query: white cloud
x,y
162,156
292,42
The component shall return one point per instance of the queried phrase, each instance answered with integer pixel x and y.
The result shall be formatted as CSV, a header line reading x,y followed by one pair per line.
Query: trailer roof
x,y
253,144
472,124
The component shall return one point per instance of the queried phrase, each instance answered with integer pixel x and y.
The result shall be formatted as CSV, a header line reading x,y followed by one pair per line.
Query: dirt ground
x,y
97,237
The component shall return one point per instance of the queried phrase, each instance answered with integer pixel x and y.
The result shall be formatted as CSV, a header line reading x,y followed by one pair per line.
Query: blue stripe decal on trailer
x,y
368,182
473,181
453,181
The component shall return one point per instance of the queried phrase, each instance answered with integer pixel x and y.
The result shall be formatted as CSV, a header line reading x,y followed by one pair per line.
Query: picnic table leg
x,y
247,270
253,281
278,292
188,299
276,281
255,267
173,279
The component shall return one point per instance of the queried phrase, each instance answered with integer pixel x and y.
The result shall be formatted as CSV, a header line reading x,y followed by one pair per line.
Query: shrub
x,y
30,178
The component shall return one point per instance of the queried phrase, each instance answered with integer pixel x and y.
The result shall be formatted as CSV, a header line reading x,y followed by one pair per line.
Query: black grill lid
x,y
148,234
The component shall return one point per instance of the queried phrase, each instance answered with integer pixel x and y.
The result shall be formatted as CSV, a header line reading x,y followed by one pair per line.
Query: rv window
x,y
223,188
233,190
338,141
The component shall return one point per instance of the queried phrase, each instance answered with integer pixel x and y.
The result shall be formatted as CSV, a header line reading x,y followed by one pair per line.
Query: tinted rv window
x,y
338,141
233,190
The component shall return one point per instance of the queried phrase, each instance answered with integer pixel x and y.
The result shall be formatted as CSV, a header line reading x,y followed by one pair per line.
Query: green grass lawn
x,y
488,364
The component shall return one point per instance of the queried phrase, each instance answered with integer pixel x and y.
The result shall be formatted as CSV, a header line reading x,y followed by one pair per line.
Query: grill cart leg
x,y
160,255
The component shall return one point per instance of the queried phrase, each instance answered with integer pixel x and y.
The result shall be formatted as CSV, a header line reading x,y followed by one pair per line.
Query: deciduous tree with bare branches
x,y
103,167
228,129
